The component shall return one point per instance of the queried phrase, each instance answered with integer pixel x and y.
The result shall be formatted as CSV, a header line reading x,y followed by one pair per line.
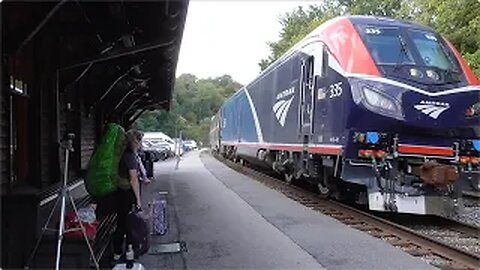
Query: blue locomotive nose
x,y
383,105
444,111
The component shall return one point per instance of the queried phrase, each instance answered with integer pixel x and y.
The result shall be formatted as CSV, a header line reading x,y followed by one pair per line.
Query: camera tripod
x,y
62,198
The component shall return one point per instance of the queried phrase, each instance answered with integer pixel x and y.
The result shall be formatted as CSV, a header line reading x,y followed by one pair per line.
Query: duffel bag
x,y
137,224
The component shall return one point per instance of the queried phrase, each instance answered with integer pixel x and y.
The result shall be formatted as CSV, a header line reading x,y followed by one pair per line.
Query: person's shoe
x,y
116,259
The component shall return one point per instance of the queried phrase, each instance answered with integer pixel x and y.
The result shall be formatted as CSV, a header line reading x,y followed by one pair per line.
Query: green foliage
x,y
386,8
473,60
194,102
295,26
457,20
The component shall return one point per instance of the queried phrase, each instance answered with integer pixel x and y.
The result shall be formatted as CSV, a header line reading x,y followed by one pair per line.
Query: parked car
x,y
161,141
190,145
161,150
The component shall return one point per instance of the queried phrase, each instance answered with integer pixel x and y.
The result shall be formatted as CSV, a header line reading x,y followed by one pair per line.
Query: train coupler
x,y
438,175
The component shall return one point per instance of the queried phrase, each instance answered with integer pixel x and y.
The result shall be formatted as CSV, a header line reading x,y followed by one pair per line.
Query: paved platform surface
x,y
229,221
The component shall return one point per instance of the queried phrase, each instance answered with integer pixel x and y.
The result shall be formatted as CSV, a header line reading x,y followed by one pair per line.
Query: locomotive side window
x,y
317,50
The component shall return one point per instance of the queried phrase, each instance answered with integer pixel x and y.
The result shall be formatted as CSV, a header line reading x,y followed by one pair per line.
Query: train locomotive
x,y
382,112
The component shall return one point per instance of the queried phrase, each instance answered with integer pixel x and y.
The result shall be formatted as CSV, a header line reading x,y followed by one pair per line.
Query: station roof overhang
x,y
124,53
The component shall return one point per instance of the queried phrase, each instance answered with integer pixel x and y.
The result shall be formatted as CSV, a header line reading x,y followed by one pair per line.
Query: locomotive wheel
x,y
288,178
475,183
324,190
297,176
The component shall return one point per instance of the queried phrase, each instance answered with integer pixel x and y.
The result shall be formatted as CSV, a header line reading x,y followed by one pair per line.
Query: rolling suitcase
x,y
159,214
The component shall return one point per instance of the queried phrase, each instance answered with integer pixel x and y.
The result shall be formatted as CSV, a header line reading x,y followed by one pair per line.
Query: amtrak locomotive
x,y
380,111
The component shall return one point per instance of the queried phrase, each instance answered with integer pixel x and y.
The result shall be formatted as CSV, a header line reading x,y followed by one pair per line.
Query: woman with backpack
x,y
127,195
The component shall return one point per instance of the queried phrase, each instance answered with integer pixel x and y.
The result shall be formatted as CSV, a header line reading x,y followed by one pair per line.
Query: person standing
x,y
145,162
178,151
127,195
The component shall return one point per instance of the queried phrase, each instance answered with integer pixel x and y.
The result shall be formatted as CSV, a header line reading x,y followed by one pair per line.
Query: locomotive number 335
x,y
335,90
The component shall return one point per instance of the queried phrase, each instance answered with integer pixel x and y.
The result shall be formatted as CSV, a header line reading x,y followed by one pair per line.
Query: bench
x,y
75,253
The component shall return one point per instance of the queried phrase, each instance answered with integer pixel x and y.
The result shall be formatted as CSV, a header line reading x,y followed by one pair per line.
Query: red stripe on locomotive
x,y
348,48
472,80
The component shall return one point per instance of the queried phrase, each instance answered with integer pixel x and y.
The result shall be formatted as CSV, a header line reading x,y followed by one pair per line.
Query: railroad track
x,y
472,194
441,246
460,235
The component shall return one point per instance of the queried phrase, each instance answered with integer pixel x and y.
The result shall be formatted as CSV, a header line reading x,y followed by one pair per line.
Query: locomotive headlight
x,y
378,100
381,103
416,73
433,75
378,97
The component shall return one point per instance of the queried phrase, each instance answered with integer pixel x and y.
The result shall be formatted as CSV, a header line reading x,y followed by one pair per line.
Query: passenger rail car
x,y
382,111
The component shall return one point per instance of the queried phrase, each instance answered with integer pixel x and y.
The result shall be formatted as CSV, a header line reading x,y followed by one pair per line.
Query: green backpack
x,y
102,171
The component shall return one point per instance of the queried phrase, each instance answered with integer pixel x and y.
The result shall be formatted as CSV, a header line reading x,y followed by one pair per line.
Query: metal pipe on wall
x,y
136,115
40,25
124,98
118,55
114,83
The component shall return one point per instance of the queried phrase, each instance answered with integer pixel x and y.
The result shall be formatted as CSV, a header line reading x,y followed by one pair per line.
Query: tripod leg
x,y
92,255
61,228
44,229
51,214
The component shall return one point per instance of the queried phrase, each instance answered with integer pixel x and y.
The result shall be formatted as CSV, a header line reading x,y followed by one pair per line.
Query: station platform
x,y
225,220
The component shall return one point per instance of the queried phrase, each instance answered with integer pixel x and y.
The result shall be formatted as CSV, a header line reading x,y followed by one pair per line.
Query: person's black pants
x,y
124,201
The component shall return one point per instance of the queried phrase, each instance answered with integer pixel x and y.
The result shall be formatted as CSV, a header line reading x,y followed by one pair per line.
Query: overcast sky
x,y
230,37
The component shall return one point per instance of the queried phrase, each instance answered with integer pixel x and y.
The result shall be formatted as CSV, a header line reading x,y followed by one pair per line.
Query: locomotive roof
x,y
376,20
354,19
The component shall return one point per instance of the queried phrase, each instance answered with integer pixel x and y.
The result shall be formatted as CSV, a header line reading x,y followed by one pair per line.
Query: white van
x,y
160,138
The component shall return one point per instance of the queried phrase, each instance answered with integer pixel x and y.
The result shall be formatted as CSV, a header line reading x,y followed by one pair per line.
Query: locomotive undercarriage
x,y
321,171
408,185
401,184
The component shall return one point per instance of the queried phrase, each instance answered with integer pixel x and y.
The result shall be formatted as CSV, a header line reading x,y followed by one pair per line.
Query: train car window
x,y
431,50
387,45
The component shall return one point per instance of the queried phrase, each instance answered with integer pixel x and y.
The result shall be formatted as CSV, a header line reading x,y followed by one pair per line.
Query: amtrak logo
x,y
432,108
283,104
281,109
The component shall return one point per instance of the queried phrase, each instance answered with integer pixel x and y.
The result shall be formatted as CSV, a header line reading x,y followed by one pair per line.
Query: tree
x,y
295,26
194,102
385,8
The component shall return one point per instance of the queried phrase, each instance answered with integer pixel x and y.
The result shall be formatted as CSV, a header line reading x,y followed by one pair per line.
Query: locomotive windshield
x,y
387,46
393,48
431,50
